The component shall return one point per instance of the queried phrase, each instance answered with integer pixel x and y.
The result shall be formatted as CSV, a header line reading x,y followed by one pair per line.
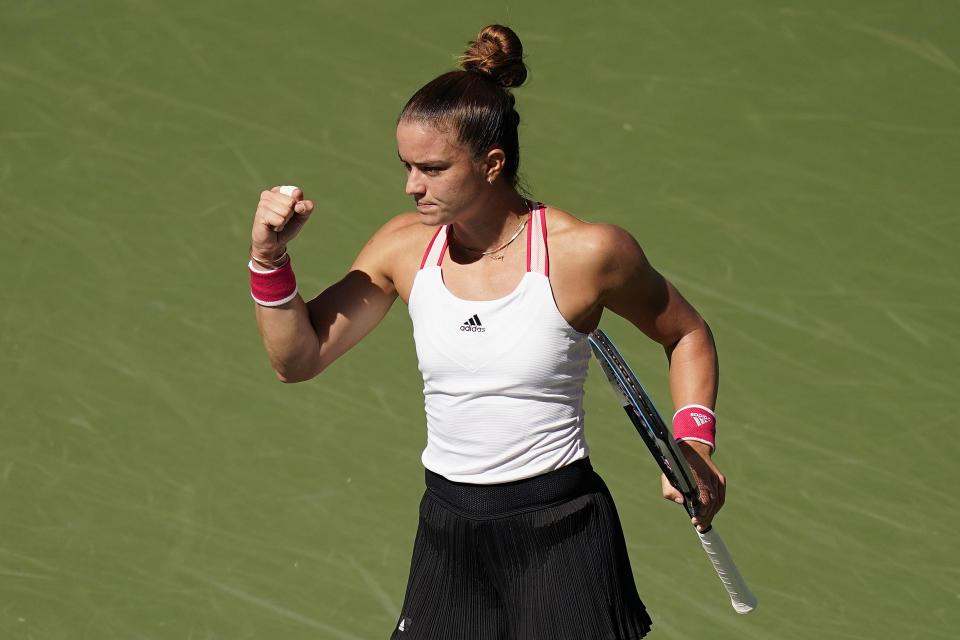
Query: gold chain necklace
x,y
516,234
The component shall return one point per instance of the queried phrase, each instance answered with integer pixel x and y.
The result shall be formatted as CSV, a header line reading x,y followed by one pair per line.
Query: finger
x,y
286,194
712,509
716,493
704,516
274,209
292,191
303,208
276,223
669,492
708,500
271,212
278,203
701,523
706,513
707,509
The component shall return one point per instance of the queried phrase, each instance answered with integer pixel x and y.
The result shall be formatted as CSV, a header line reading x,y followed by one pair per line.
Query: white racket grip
x,y
287,189
741,597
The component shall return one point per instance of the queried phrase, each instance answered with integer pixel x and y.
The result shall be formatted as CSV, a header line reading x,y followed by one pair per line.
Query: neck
x,y
493,225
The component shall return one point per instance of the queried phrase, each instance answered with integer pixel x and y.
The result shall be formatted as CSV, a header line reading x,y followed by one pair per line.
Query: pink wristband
x,y
272,288
695,422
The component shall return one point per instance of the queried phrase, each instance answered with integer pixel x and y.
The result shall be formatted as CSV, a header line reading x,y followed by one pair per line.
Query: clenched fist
x,y
281,214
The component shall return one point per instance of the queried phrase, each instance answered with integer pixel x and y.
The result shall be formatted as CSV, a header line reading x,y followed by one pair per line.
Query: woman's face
x,y
446,180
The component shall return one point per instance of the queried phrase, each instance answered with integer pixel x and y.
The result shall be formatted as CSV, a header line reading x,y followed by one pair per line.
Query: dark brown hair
x,y
477,101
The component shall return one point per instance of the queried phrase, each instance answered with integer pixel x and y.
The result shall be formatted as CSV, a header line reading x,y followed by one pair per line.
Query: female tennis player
x,y
518,536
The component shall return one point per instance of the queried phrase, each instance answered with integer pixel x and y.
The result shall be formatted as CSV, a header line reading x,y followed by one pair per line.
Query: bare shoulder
x,y
394,252
589,264
397,229
597,248
397,235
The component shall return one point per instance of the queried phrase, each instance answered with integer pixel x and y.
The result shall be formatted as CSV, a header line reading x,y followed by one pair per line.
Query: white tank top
x,y
502,379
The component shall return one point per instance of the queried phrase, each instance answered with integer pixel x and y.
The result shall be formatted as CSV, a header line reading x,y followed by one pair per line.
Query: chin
x,y
435,215
431,218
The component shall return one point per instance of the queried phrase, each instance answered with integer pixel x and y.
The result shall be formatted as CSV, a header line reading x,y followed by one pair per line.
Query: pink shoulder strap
x,y
538,259
433,256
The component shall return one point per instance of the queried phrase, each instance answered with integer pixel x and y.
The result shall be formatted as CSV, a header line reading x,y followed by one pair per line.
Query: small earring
x,y
490,180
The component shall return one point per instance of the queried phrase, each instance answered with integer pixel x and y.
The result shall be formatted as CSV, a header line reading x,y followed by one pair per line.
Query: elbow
x,y
698,331
698,337
291,375
708,332
289,378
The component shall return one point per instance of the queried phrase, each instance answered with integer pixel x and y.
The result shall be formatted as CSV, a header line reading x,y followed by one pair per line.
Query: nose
x,y
414,185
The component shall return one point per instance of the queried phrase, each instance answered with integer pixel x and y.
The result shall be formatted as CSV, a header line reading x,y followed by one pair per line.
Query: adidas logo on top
x,y
472,325
700,418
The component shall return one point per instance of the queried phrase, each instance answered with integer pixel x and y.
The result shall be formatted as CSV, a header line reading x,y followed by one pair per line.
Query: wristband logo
x,y
700,418
473,325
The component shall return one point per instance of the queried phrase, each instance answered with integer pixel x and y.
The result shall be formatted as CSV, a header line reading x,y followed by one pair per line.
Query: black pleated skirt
x,y
542,558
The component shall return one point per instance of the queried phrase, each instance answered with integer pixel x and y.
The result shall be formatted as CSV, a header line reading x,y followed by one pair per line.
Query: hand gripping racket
x,y
659,441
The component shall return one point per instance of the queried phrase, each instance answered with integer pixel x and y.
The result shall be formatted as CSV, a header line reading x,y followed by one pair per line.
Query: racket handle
x,y
287,189
741,597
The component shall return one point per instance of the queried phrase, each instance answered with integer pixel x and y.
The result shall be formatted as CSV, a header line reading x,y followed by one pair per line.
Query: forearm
x,y
291,342
694,369
694,375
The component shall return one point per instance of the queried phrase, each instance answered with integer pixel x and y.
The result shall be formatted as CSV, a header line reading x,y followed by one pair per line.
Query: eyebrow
x,y
429,162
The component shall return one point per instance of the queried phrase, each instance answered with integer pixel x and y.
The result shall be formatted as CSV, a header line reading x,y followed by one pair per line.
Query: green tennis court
x,y
793,170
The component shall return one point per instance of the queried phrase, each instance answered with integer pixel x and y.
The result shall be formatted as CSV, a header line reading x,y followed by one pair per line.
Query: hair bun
x,y
497,53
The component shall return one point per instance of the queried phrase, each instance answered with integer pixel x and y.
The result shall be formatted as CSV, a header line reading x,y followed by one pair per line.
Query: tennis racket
x,y
659,441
